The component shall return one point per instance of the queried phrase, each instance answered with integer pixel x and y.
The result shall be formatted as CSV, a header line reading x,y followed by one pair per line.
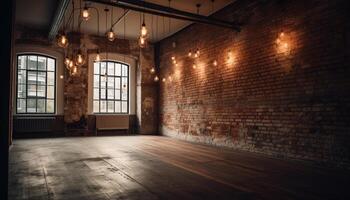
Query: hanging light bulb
x,y
62,40
172,57
215,63
156,79
71,64
174,62
110,35
170,78
143,29
189,53
80,59
75,70
66,60
142,42
85,14
194,66
152,70
163,80
98,57
197,53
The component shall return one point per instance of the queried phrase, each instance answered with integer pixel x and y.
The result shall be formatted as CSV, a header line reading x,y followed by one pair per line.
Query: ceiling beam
x,y
57,19
156,9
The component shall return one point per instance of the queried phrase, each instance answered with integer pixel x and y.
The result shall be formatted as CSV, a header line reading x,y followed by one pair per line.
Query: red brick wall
x,y
290,102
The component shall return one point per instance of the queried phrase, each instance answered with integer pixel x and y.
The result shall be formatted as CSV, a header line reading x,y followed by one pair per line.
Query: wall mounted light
x,y
85,13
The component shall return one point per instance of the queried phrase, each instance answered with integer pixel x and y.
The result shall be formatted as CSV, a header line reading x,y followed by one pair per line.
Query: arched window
x,y
36,84
111,87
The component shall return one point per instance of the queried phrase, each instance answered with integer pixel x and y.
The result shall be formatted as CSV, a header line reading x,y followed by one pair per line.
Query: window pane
x,y
124,106
31,105
34,74
110,94
32,62
117,94
103,94
21,77
50,106
110,106
103,106
32,77
50,92
110,82
125,70
41,105
124,89
103,68
21,105
21,91
50,78
118,69
96,106
110,66
22,62
117,83
50,64
117,106
41,63
103,82
97,68
41,78
41,91
32,90
96,80
96,91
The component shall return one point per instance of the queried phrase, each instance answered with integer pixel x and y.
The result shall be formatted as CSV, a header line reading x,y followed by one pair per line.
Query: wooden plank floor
x,y
156,167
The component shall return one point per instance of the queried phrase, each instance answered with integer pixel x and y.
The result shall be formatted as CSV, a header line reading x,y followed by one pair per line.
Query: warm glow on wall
x,y
283,43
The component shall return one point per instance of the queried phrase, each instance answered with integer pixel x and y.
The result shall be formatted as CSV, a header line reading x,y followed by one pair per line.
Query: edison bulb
x,y
71,64
163,79
172,57
80,59
156,79
110,35
98,57
215,63
194,66
66,61
143,30
62,41
174,62
86,14
152,70
189,53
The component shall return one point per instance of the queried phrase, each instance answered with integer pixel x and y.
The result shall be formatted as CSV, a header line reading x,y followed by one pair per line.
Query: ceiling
x,y
41,14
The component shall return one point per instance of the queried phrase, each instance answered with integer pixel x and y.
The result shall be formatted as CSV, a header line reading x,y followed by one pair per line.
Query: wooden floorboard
x,y
156,167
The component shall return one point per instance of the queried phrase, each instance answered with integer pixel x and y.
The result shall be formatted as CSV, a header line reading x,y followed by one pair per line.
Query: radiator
x,y
110,122
37,124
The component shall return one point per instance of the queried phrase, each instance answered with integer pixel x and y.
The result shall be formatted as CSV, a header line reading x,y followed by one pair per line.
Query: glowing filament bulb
x,y
189,53
80,59
152,70
156,79
62,41
174,62
71,64
215,63
66,61
86,13
170,78
172,57
143,30
163,80
75,69
194,66
110,35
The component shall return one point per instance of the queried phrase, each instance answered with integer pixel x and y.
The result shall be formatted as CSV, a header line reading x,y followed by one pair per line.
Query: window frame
x,y
36,113
106,87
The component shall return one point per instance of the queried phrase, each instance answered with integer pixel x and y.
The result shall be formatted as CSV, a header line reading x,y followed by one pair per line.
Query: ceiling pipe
x,y
155,9
57,19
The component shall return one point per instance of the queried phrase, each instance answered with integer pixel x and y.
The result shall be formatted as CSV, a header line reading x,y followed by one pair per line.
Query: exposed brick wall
x,y
290,102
